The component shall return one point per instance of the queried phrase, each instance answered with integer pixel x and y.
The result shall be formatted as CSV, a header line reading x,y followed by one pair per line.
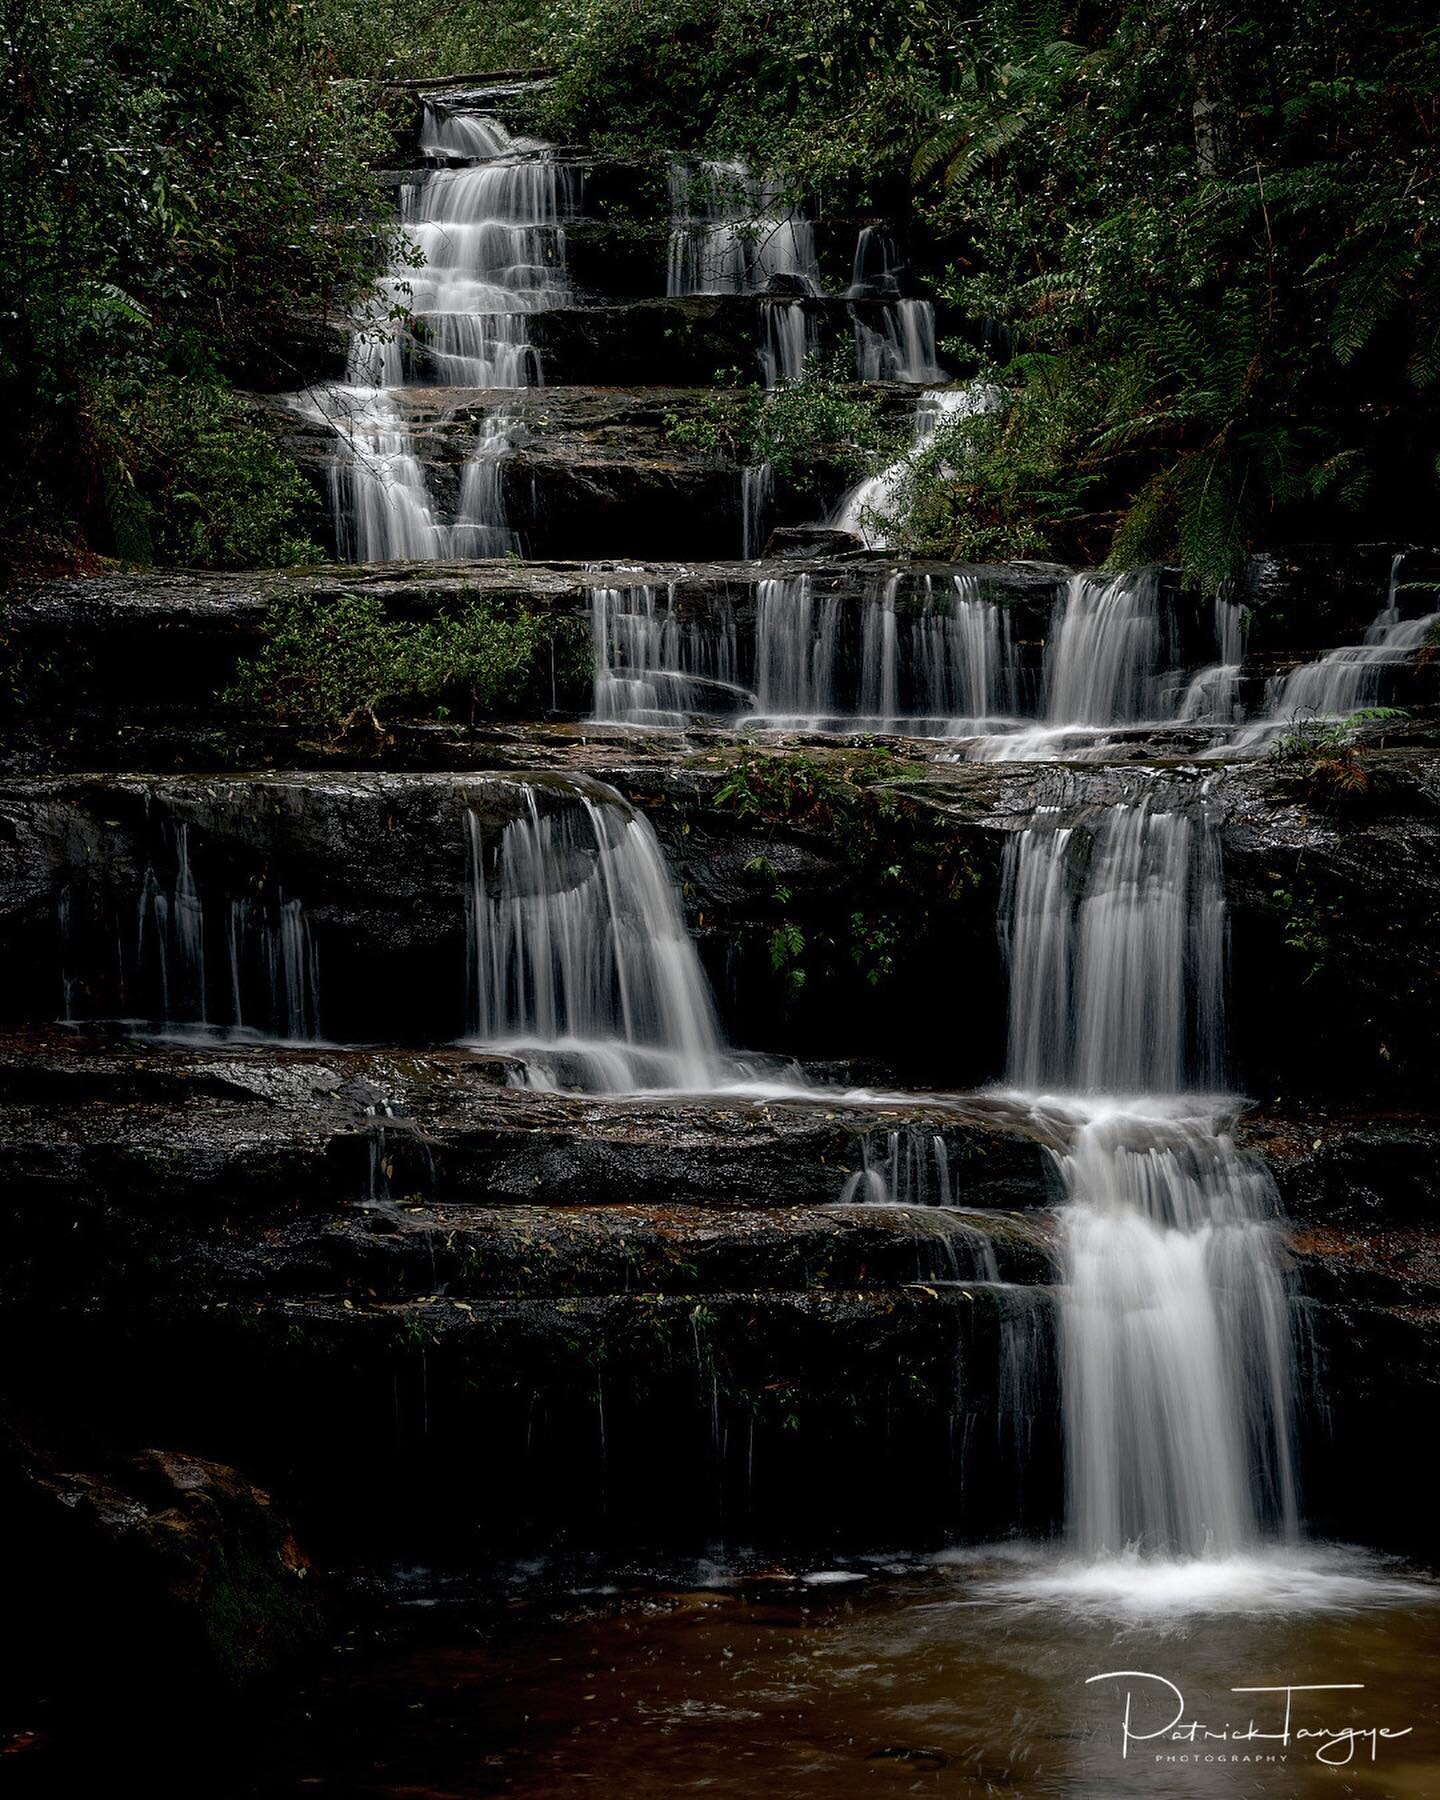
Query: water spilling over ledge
x,y
377,1118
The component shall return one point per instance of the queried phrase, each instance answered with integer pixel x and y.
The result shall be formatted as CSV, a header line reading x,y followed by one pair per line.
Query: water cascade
x,y
492,237
1106,665
223,964
757,490
864,508
1176,1341
902,346
903,349
1352,678
1212,697
578,958
655,667
789,338
730,235
936,662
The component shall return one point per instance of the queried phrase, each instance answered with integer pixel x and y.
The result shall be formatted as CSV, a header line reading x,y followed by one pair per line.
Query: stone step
x,y
441,1415
251,1126
378,863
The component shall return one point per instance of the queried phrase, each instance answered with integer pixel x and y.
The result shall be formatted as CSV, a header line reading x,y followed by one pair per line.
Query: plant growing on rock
x,y
900,867
816,419
338,663
1325,756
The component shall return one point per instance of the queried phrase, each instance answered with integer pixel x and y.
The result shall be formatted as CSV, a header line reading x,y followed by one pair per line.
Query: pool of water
x,y
968,1674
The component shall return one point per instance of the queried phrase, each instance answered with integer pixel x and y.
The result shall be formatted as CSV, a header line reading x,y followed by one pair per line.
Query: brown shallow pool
x,y
944,1677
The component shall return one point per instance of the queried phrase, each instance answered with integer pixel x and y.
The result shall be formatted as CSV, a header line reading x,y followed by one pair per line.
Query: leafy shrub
x,y
1325,757
792,427
337,663
191,480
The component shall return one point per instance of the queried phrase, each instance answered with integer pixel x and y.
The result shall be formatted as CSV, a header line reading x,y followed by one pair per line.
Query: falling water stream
x,y
1177,1384
488,229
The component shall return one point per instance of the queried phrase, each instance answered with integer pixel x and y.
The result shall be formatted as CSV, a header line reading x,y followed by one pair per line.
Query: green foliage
x,y
792,427
402,39
192,480
1325,758
897,868
1306,920
177,177
336,663
1209,238
818,91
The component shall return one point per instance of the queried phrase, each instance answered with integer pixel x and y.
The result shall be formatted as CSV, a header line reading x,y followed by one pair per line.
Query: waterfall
x,y
578,958
1115,934
903,349
493,245
654,667
1103,660
1213,695
729,236
796,650
879,673
864,508
1350,679
1176,1342
788,340
171,935
932,663
271,982
757,487
873,271
482,526
1105,663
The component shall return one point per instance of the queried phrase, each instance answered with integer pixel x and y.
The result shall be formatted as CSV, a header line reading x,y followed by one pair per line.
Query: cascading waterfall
x,y
729,234
903,349
789,338
864,508
578,958
874,272
493,242
1115,934
653,666
1176,1340
1106,664
933,663
1350,679
757,488
797,639
1212,697
245,965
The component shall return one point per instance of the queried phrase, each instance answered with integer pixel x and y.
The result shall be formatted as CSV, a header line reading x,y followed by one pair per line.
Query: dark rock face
x,y
485,1277
386,1272
379,861
155,1572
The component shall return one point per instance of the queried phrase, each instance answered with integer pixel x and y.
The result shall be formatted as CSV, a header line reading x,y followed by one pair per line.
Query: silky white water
x,y
216,963
1175,1333
935,662
491,241
864,509
1349,679
731,234
578,958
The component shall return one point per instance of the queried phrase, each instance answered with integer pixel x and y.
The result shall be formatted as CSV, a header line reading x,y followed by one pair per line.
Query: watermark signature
x,y
1155,1714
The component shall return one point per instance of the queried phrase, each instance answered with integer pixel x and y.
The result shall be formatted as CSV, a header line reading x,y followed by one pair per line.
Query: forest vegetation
x,y
1196,238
